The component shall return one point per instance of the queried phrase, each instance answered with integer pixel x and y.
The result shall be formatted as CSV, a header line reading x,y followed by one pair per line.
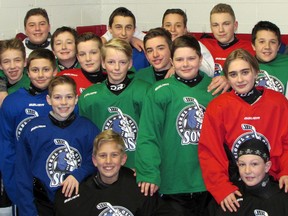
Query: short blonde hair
x,y
108,136
117,44
223,8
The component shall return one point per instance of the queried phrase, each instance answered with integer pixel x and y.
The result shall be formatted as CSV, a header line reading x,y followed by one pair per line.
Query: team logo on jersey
x,y
218,69
110,210
189,121
124,125
252,133
31,114
258,212
269,81
61,161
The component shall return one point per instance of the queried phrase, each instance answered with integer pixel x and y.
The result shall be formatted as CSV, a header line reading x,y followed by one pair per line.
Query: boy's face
x,y
109,160
266,45
37,29
116,64
223,27
174,23
241,77
62,100
64,46
123,28
186,62
89,56
41,72
12,63
252,169
158,53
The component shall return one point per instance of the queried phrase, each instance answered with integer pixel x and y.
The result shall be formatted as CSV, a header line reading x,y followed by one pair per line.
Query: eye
x,y
102,156
232,74
149,51
114,155
241,164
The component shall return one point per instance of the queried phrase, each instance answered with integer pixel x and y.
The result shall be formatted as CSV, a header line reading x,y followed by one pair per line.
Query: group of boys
x,y
114,105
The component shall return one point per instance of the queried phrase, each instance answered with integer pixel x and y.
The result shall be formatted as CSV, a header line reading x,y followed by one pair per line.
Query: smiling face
x,y
37,29
108,159
116,64
186,62
158,53
241,76
266,45
64,47
41,72
12,63
63,100
223,27
252,169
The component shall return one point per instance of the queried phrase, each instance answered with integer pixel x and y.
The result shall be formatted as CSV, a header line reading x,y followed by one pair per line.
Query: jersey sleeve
x,y
8,149
212,156
147,157
207,64
24,176
284,138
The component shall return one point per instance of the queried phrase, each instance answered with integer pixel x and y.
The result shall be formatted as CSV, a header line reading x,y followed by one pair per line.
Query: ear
x,y
253,46
48,98
268,165
124,159
235,26
171,61
103,63
55,72
76,99
25,62
94,160
130,63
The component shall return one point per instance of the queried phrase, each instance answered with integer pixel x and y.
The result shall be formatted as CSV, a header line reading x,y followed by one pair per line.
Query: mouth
x,y
157,61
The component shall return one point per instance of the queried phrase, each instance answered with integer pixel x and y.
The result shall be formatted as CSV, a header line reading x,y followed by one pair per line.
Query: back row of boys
x,y
157,45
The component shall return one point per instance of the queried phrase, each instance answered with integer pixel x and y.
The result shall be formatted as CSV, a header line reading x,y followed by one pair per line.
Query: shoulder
x,y
92,90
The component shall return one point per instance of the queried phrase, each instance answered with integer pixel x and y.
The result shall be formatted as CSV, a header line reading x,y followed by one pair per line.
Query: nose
x,y
172,28
108,159
37,27
88,58
41,73
247,169
239,78
12,64
63,101
123,32
117,66
64,45
221,29
155,53
185,63
267,45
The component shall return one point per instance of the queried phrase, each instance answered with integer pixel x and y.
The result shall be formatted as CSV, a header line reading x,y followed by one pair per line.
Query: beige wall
x,y
148,13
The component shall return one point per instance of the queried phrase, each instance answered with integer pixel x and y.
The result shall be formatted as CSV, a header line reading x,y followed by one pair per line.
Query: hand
x,y
170,72
230,202
283,181
145,186
68,186
137,43
218,83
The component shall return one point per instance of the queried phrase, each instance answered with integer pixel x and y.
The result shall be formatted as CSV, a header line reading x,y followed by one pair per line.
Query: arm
x,y
207,64
24,178
147,158
3,89
212,156
218,83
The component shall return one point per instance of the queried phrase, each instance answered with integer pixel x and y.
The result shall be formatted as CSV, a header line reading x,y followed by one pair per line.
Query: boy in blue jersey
x,y
20,107
51,154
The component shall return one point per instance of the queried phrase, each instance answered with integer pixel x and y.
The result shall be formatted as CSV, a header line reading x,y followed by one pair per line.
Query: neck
x,y
68,63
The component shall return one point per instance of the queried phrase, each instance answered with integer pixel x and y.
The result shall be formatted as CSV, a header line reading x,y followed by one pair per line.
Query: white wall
x,y
148,13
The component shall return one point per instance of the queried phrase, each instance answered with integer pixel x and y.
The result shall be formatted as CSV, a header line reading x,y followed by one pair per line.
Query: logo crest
x,y
252,133
269,81
61,161
124,125
189,121
110,210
